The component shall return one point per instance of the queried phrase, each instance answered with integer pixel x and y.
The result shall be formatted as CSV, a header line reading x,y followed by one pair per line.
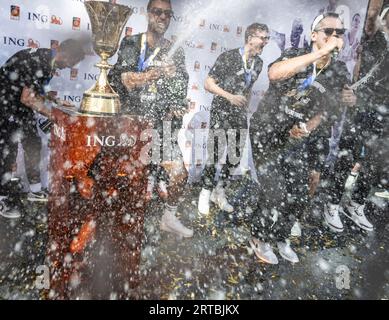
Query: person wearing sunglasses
x,y
370,122
152,82
230,80
370,149
290,131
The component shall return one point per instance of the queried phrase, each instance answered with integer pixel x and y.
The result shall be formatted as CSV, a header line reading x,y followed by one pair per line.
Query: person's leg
x,y
216,146
10,187
177,181
209,174
45,156
177,177
271,223
383,169
236,130
368,149
294,168
32,146
331,191
263,221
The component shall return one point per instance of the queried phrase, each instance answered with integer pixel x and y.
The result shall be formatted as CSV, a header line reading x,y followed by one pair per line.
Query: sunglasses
x,y
267,38
330,31
158,12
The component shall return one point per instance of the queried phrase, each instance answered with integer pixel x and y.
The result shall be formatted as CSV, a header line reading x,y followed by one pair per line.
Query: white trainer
x,y
382,194
296,230
203,204
8,212
218,197
331,217
287,252
40,196
263,251
170,223
355,212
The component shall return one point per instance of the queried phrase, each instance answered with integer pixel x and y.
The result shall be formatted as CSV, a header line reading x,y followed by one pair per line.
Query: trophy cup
x,y
107,20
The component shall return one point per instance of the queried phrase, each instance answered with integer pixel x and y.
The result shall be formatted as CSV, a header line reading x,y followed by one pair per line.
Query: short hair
x,y
355,15
253,28
73,47
319,19
152,1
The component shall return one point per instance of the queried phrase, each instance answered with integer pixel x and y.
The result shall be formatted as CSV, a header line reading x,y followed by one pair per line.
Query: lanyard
x,y
248,73
142,63
311,79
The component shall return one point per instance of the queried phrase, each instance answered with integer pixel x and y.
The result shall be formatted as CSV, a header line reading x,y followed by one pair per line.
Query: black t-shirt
x,y
286,104
27,68
229,73
156,100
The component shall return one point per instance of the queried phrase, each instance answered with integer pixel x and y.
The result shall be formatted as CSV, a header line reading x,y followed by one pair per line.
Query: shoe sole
x,y
356,222
166,228
253,247
213,200
10,217
4,215
333,228
203,213
37,200
382,196
286,257
220,207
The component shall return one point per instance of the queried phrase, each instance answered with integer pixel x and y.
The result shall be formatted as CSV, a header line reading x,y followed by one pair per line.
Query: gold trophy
x,y
107,20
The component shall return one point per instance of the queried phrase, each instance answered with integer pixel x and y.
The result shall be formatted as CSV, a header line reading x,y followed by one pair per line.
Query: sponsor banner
x,y
203,29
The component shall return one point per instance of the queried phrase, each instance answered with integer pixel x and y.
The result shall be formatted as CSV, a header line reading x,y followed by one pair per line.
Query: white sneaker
x,y
218,197
296,230
8,212
40,196
382,194
331,217
287,252
203,205
355,212
263,251
170,223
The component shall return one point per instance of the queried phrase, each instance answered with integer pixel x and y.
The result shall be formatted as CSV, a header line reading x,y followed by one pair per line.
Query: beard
x,y
158,27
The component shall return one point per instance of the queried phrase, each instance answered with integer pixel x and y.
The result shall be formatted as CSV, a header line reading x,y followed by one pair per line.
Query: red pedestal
x,y
98,173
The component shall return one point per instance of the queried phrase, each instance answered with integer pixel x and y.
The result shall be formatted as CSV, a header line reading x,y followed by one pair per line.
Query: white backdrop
x,y
204,28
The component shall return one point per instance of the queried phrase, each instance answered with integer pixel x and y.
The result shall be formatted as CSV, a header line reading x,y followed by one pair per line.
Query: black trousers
x,y
11,133
167,146
283,192
375,167
227,129
339,159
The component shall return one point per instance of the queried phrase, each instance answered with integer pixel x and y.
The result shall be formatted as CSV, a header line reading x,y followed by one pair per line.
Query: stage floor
x,y
216,263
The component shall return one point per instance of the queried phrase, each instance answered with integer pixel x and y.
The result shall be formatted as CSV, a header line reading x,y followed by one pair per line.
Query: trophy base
x,y
95,103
